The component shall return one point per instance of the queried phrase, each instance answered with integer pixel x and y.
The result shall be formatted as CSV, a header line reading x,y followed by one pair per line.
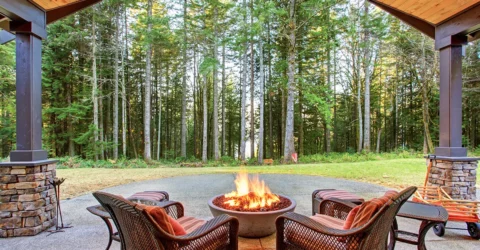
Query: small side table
x,y
429,215
99,211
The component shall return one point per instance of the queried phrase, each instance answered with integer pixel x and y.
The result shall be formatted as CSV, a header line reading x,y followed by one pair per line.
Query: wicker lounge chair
x,y
295,231
138,230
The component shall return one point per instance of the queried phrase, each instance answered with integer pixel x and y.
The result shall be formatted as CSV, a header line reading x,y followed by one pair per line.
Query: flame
x,y
252,193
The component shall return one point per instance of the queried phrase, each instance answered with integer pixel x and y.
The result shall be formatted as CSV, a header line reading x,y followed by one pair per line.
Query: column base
x,y
27,199
451,151
457,177
28,155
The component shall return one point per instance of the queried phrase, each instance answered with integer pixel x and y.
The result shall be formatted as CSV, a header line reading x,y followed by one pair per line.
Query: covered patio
x,y
24,180
89,232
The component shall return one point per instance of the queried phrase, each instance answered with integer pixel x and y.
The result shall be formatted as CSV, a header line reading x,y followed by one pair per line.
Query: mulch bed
x,y
283,203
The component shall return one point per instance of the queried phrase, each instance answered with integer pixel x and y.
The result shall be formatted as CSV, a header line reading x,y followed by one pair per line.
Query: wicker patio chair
x,y
138,230
295,231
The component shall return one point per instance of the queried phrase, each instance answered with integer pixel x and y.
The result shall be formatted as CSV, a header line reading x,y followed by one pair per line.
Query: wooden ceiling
x,y
432,11
53,4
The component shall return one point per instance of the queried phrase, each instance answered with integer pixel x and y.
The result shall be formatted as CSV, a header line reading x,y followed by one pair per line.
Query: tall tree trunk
x,y
146,116
184,85
205,121
224,88
289,140
270,99
244,91
71,143
366,133
335,139
115,92
252,88
301,135
216,152
195,120
379,136
425,101
94,87
329,87
359,105
159,131
262,103
124,90
100,122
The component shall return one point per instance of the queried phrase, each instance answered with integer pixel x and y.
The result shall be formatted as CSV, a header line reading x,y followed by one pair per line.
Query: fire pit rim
x,y
292,205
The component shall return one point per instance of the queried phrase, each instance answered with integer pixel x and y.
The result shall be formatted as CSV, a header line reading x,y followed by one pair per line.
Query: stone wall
x,y
458,178
27,200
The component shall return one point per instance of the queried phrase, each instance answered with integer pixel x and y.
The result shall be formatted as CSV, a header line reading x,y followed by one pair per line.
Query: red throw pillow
x,y
177,228
365,212
350,217
368,209
160,216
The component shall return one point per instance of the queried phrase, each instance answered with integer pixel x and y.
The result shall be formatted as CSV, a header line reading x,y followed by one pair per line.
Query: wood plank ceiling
x,y
53,4
432,11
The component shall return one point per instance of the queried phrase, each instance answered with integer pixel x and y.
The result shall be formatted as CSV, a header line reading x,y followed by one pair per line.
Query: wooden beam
x,y
417,23
23,10
59,13
6,37
5,24
462,24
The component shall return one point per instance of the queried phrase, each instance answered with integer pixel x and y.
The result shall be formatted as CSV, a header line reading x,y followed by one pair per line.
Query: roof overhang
x,y
33,16
457,24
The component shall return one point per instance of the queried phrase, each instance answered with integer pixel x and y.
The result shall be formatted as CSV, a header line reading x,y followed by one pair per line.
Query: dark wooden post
x,y
29,93
451,102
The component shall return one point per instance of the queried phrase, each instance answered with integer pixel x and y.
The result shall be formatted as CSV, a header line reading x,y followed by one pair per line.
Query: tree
x,y
147,107
216,151
94,87
291,85
115,93
184,85
367,44
244,88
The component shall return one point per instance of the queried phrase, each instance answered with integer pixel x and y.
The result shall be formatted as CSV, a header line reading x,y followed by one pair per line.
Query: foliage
x,y
226,161
330,59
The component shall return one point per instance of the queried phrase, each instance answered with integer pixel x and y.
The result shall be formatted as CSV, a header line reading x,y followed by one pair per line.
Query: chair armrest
x,y
315,192
336,208
173,208
306,231
220,232
167,196
99,211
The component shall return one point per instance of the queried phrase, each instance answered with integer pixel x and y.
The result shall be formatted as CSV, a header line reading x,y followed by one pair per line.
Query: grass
x,y
225,161
398,173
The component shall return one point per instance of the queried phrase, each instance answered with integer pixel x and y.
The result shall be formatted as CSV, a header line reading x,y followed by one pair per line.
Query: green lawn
x,y
392,173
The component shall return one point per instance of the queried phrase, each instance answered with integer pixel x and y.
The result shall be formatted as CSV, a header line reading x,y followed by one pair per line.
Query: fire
x,y
251,194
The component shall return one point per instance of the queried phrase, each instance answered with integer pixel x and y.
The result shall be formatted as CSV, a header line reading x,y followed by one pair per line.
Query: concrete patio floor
x,y
90,232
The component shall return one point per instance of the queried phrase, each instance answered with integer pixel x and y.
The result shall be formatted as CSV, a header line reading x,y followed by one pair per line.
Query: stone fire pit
x,y
253,224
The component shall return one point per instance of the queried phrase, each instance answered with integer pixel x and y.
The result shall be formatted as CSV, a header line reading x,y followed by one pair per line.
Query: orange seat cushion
x,y
190,224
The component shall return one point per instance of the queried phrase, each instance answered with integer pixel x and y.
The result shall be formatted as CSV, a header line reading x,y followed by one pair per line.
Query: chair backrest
x,y
135,230
380,225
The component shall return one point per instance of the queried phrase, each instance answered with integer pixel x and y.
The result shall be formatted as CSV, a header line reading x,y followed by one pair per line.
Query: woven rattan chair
x,y
139,231
295,231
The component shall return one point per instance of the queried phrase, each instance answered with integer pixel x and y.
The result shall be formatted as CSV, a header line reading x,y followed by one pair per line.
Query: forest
x,y
206,79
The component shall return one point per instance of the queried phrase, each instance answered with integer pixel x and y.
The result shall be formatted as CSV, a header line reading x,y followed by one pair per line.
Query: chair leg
x,y
392,238
110,232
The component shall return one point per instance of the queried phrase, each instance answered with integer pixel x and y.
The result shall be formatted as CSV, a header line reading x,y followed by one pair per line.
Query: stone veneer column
x,y
458,177
27,200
